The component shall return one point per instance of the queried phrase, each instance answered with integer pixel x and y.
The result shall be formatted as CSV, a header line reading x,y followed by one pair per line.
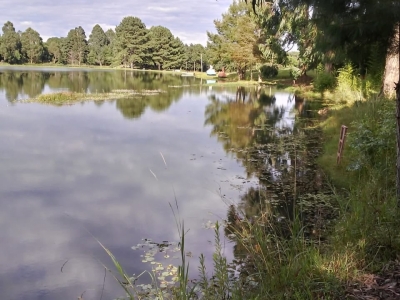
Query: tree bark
x,y
397,88
391,74
398,141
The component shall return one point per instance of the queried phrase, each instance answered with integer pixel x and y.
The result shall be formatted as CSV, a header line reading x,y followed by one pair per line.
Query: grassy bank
x,y
365,180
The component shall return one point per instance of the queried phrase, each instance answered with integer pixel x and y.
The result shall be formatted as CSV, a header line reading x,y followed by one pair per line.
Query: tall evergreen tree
x,y
97,46
160,40
32,45
131,42
177,54
76,45
11,45
166,51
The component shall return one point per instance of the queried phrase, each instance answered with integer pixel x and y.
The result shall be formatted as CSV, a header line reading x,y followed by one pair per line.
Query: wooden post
x,y
342,140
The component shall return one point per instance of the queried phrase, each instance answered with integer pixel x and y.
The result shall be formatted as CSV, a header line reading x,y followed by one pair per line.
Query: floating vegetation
x,y
140,93
164,276
178,86
69,98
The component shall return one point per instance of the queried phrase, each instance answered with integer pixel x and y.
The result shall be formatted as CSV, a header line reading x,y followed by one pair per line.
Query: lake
x,y
112,170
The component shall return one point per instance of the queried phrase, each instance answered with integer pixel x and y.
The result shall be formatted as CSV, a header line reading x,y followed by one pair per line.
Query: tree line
x,y
131,44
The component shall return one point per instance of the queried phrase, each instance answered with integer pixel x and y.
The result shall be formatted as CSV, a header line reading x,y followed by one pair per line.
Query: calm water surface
x,y
99,167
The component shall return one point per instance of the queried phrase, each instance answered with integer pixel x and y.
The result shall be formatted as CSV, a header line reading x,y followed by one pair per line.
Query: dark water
x,y
97,169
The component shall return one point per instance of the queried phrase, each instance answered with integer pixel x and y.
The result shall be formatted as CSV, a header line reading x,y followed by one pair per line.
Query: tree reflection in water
x,y
31,83
273,137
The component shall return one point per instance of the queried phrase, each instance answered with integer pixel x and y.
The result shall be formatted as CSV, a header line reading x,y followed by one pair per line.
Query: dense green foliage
x,y
131,45
76,46
235,46
99,50
268,71
335,32
10,46
32,45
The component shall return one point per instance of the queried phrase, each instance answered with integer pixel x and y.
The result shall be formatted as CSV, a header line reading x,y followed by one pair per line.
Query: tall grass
x,y
369,221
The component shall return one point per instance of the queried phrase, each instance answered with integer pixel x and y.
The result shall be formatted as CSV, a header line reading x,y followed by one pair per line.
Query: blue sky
x,y
187,19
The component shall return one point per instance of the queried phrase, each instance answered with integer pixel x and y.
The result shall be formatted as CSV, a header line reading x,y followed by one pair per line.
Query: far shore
x,y
281,81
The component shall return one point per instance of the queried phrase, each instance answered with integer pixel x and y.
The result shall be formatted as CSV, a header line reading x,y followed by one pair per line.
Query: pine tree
x,y
97,46
76,46
131,42
177,54
110,47
32,45
160,44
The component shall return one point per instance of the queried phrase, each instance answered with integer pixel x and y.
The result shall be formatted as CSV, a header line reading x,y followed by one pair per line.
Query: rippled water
x,y
111,169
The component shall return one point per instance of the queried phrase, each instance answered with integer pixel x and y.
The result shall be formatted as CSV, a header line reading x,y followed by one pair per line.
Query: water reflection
x,y
90,166
68,168
31,83
19,83
269,133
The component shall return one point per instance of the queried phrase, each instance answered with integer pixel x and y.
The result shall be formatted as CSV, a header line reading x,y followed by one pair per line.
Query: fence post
x,y
342,140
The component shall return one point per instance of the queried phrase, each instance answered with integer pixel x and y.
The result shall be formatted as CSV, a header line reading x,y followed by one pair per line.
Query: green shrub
x,y
295,73
373,136
268,71
324,81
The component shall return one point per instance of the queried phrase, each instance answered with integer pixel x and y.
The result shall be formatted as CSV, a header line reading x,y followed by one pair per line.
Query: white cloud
x,y
163,9
26,23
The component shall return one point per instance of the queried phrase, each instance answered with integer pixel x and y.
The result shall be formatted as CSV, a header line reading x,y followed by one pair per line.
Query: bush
x,y
324,81
295,73
268,71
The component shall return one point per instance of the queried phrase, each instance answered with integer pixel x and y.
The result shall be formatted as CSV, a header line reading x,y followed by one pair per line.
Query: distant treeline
x,y
131,45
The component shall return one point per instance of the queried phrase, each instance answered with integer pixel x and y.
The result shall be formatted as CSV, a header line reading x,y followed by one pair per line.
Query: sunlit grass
x,y
69,98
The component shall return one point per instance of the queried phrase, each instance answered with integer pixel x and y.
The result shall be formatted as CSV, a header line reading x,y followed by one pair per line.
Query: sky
x,y
187,19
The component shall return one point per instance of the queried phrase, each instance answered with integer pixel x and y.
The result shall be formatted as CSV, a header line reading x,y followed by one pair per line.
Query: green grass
x,y
369,220
69,98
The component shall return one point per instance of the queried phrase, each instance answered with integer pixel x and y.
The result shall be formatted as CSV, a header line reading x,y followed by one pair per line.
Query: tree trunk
x,y
328,67
392,66
398,141
392,73
397,39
